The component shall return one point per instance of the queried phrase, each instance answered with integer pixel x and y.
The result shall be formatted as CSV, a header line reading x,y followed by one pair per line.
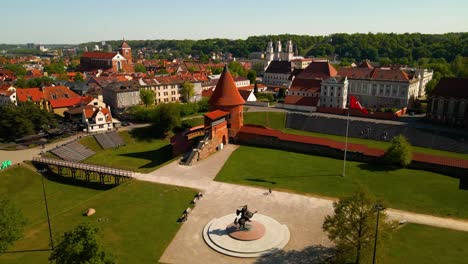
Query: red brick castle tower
x,y
226,97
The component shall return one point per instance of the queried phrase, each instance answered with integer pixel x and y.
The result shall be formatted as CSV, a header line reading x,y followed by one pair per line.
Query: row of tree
x,y
404,48
24,119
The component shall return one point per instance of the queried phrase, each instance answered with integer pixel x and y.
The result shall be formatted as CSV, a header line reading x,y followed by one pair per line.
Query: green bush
x,y
399,153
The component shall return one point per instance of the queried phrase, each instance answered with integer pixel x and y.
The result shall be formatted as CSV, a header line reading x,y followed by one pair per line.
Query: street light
x,y
378,208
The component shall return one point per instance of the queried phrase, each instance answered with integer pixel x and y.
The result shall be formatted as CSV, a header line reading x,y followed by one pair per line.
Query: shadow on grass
x,y
26,251
260,180
377,167
68,180
156,157
309,255
147,134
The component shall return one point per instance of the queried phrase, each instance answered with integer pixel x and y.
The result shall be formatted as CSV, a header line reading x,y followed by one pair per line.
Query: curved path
x,y
302,214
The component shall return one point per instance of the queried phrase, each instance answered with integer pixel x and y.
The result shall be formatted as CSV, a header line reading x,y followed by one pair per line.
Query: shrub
x,y
399,153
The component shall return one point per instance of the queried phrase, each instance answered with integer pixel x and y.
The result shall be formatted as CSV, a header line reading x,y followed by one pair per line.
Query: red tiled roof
x,y
91,111
124,45
65,102
99,55
207,93
216,114
375,74
301,100
452,87
226,92
58,92
318,70
26,94
366,64
251,87
305,85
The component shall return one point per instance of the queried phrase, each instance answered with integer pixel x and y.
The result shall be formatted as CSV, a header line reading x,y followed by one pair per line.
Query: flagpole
x,y
346,140
346,146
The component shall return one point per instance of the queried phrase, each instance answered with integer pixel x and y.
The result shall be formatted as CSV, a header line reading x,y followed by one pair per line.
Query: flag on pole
x,y
354,104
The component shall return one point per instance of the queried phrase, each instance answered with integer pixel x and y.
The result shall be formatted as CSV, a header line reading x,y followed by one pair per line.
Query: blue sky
x,y
63,21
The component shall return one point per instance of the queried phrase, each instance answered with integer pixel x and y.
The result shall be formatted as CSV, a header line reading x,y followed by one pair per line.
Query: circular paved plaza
x,y
263,236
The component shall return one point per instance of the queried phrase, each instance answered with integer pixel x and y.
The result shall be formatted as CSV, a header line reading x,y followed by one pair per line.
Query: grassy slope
x,y
142,154
141,216
411,190
277,120
424,244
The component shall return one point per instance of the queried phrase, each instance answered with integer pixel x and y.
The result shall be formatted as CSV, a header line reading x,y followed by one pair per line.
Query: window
x,y
101,126
100,119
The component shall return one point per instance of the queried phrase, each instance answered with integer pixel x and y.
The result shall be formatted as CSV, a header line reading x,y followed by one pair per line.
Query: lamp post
x,y
379,208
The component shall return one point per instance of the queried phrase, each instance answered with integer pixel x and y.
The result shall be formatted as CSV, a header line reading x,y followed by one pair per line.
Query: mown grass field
x,y
141,153
425,244
137,219
277,120
411,190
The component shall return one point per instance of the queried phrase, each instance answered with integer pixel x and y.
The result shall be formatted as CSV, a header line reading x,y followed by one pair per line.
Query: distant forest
x,y
389,47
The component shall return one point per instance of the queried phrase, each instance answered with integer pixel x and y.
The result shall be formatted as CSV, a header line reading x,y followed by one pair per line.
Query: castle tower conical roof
x,y
226,92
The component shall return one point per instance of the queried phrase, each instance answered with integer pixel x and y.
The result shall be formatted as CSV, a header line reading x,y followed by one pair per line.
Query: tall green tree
x,y
164,117
352,226
252,76
80,246
147,97
187,91
12,223
18,69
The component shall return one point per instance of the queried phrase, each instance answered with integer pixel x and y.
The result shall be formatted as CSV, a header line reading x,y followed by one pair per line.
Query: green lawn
x,y
141,152
138,219
411,190
425,244
277,120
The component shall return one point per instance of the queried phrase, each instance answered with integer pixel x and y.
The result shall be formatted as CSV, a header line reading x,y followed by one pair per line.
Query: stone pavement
x,y
302,214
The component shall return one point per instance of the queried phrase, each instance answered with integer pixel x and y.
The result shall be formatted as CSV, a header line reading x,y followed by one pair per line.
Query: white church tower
x,y
278,55
270,53
289,54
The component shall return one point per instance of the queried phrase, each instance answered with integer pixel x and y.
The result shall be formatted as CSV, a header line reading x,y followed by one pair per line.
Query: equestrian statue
x,y
244,217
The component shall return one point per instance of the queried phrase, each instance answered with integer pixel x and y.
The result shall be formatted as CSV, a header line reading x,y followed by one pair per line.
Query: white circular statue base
x,y
275,238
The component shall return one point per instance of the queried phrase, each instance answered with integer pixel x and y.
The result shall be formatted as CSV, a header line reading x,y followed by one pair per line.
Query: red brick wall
x,y
235,119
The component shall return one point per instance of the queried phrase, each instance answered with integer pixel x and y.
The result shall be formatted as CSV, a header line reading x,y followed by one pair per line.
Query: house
x,y
8,95
33,95
60,98
97,119
121,95
448,103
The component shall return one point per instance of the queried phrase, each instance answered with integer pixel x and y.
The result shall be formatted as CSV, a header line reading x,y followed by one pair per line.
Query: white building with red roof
x,y
8,95
97,119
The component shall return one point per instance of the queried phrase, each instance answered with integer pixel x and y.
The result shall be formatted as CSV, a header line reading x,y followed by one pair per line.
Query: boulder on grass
x,y
90,212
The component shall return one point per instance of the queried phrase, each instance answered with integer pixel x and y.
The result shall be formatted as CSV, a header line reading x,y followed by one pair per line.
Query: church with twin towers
x,y
277,54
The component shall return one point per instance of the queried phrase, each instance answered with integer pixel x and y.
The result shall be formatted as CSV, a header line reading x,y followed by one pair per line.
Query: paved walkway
x,y
302,214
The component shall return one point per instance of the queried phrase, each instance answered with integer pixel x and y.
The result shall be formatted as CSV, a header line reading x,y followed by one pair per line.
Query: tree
x,y
140,68
164,118
147,96
256,89
78,77
12,223
252,76
18,69
399,152
352,227
187,91
281,93
55,67
80,246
